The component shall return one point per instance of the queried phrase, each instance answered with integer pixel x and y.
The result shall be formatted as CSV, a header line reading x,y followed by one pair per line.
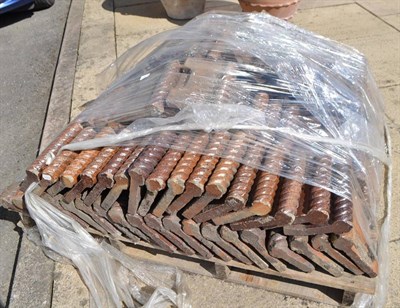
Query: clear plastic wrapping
x,y
114,280
249,88
266,84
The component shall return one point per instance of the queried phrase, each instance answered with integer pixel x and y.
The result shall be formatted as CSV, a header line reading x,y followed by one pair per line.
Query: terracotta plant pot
x,y
284,9
183,9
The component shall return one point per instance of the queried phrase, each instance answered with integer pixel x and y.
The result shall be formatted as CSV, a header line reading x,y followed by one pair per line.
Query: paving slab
x,y
33,279
58,110
9,246
222,6
68,288
139,21
342,22
142,17
122,3
311,4
86,86
356,27
393,299
210,292
96,51
381,7
382,53
393,20
135,23
125,42
394,246
391,96
225,5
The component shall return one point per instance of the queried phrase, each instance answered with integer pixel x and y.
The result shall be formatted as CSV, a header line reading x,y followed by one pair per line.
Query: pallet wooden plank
x,y
196,265
347,282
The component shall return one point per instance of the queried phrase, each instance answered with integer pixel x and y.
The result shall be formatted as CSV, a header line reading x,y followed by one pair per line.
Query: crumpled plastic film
x,y
289,91
114,280
379,298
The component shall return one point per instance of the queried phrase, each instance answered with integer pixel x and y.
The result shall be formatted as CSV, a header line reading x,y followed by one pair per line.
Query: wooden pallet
x,y
316,286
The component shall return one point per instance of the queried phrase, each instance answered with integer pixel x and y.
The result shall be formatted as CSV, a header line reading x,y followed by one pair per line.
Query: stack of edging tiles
x,y
165,197
206,205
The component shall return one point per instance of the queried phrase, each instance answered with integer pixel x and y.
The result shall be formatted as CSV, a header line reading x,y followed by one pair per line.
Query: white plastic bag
x,y
114,280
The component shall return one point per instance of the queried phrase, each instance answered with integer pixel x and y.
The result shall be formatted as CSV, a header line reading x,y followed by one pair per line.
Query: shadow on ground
x,y
8,215
154,8
143,8
13,17
12,217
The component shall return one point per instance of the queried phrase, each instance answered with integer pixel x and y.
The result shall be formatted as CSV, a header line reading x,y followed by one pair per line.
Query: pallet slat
x,y
316,286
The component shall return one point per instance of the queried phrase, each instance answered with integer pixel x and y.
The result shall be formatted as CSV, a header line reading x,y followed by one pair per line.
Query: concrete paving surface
x,y
29,49
110,27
